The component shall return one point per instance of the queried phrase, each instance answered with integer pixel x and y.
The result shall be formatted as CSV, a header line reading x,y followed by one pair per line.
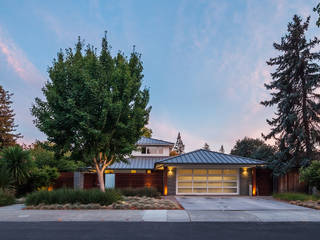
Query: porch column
x,y
165,181
254,182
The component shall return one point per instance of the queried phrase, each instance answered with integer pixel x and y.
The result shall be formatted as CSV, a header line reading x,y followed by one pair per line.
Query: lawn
x,y
295,197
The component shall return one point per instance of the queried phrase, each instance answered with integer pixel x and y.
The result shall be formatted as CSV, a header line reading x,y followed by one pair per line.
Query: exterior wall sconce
x,y
245,171
170,172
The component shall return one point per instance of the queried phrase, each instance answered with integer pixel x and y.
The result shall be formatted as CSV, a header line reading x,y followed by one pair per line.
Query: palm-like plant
x,y
17,162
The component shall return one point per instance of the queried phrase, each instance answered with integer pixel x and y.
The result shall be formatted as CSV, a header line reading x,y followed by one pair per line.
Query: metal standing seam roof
x,y
137,163
152,141
202,156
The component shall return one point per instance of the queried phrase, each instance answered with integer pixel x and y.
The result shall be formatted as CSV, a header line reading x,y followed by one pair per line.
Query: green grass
x,y
140,192
295,196
65,195
6,198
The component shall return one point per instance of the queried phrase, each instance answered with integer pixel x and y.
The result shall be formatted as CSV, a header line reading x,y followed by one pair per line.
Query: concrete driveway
x,y
234,204
244,209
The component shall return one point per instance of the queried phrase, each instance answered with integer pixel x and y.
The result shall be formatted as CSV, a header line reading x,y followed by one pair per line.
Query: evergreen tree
x,y
221,149
179,146
7,126
206,146
296,124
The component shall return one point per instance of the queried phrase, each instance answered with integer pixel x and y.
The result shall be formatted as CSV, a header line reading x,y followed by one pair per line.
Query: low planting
x,y
71,196
140,192
6,198
295,197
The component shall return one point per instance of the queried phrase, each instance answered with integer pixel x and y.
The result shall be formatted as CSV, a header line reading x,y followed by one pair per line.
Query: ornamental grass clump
x,y
140,192
6,198
71,196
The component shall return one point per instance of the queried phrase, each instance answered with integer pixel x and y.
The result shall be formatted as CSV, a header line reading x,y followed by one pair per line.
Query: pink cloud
x,y
18,61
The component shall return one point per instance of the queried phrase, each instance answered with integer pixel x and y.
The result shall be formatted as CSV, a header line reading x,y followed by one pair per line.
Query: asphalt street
x,y
152,230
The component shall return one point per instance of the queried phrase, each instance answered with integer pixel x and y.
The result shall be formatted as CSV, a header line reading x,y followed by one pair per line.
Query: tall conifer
x,y
8,136
295,125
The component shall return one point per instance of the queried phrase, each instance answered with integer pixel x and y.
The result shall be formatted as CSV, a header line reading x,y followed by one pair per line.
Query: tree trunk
x,y
305,118
101,179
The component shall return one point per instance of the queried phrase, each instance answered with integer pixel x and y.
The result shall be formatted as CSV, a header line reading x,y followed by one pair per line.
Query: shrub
x,y
65,195
18,163
145,191
291,196
311,174
6,198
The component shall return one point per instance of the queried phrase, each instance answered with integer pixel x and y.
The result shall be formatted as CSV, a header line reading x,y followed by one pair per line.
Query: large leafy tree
x,y
254,148
147,132
295,80
8,136
95,106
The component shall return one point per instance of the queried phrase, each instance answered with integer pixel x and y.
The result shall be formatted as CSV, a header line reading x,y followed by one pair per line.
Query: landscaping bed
x,y
300,199
132,203
62,199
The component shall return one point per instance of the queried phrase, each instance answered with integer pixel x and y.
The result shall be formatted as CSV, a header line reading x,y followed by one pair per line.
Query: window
x,y
152,150
143,150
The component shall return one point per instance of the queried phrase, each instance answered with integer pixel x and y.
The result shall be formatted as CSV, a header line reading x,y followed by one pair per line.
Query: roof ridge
x,y
160,140
212,152
229,154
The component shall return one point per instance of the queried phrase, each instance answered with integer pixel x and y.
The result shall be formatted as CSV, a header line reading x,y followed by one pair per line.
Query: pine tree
x,y
206,146
296,124
221,149
179,146
7,126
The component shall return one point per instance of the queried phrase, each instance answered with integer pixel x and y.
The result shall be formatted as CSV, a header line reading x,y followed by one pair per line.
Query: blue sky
x,y
204,61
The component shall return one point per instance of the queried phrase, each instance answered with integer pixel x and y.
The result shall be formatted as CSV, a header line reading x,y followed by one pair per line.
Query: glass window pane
x,y
143,150
200,184
214,178
199,190
214,190
215,171
184,178
200,172
199,178
229,178
214,184
184,190
230,171
229,190
185,171
185,184
230,184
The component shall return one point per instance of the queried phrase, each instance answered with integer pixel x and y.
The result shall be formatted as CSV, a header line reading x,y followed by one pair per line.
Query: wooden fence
x,y
290,183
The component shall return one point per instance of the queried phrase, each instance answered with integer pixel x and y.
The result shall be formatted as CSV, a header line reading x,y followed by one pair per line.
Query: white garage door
x,y
208,181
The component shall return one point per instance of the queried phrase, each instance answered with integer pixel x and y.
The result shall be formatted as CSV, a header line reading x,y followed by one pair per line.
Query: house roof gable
x,y
203,156
152,141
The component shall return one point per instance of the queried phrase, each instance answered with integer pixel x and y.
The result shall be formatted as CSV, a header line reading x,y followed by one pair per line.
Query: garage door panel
x,y
207,181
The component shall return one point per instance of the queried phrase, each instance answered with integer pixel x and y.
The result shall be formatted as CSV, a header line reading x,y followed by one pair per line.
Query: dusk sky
x,y
204,61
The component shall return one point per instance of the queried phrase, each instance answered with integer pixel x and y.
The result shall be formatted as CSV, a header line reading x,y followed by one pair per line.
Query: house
x,y
200,172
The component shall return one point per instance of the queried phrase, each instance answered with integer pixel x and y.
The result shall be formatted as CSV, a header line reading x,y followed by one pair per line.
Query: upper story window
x,y
152,150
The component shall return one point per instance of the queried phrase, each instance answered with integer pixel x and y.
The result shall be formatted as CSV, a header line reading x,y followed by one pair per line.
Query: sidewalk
x,y
15,213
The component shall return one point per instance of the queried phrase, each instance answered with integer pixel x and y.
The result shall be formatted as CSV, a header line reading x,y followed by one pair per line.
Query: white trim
x,y
207,193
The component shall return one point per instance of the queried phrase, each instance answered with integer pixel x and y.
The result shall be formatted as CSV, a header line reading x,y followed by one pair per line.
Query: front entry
x,y
208,181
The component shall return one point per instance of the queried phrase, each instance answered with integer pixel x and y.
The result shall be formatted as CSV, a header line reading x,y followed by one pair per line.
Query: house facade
x,y
199,172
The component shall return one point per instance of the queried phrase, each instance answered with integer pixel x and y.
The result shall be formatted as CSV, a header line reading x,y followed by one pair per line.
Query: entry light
x,y
245,171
